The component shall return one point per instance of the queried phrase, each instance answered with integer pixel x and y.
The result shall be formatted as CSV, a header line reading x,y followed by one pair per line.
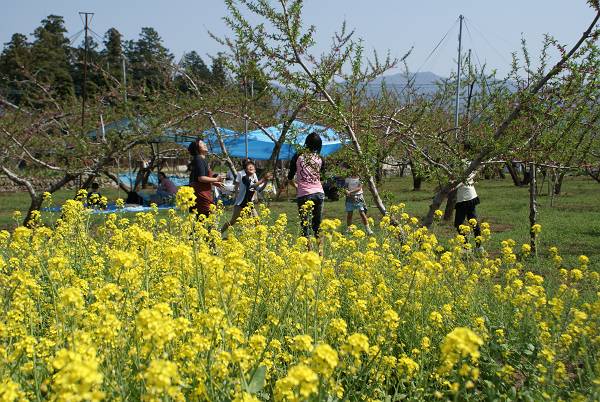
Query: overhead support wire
x,y
494,49
428,57
437,46
75,36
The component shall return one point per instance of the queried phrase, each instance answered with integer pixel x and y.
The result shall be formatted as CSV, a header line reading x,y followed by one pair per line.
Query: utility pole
x,y
458,75
124,78
85,61
244,61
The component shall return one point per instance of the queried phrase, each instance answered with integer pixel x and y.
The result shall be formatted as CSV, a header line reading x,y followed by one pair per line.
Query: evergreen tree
x,y
218,71
113,53
50,56
194,66
251,77
14,62
149,60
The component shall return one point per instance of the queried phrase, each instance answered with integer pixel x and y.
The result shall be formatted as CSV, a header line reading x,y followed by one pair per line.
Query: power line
x,y
436,46
97,36
73,37
489,43
427,59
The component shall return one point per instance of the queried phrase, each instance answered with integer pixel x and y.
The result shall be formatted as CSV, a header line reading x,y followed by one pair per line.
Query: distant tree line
x,y
52,61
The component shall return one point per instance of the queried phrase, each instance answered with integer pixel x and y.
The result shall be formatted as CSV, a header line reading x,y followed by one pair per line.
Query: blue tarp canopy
x,y
126,125
129,179
260,145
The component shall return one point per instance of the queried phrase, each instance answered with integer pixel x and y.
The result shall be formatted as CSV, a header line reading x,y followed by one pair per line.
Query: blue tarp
x,y
260,145
112,208
153,179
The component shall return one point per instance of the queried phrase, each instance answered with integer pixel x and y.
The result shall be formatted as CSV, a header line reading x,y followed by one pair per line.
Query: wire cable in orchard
x,y
430,54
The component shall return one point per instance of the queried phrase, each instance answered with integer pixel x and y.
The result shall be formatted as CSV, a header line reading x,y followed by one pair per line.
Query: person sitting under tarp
x,y
165,191
94,198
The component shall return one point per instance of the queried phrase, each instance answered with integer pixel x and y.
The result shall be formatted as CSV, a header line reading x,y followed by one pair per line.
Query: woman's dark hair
x,y
162,174
313,142
193,148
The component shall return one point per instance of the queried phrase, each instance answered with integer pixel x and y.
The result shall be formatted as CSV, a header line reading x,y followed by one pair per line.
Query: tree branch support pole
x,y
532,207
457,100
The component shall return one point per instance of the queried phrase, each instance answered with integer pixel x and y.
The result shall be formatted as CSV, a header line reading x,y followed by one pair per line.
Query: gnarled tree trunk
x,y
512,170
450,204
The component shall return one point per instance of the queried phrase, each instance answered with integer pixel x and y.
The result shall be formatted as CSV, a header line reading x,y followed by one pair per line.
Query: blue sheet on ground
x,y
129,179
110,208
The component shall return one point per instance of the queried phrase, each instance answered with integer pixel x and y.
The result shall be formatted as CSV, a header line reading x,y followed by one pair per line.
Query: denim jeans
x,y
314,216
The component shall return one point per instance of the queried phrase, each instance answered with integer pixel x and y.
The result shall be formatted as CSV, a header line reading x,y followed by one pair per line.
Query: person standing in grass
x,y
466,201
201,178
249,186
355,201
306,167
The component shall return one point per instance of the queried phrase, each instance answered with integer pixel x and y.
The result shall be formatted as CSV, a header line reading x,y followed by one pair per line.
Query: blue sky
x,y
494,27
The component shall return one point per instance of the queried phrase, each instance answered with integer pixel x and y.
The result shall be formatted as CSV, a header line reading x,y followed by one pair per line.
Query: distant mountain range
x,y
424,82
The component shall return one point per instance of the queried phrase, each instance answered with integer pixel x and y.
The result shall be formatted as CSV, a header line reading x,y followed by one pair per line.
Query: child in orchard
x,y
466,201
355,201
306,167
249,186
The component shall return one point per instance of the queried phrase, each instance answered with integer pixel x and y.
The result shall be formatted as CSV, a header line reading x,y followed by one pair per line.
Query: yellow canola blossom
x,y
157,306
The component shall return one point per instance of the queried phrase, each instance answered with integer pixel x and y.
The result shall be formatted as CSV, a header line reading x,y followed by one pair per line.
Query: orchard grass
x,y
572,224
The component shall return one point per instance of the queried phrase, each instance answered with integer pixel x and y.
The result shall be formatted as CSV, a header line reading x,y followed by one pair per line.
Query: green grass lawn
x,y
572,224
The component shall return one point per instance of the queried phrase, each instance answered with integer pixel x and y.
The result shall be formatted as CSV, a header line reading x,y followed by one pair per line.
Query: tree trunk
x,y
487,173
228,160
436,202
594,174
559,182
88,181
379,172
375,193
541,184
500,172
402,169
450,204
35,205
417,179
552,190
275,156
281,140
532,207
512,170
36,198
526,175
116,179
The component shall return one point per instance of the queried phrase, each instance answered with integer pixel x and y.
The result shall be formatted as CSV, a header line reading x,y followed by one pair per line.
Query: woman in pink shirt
x,y
307,167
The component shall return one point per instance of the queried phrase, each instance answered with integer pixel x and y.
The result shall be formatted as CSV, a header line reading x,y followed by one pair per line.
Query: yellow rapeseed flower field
x,y
162,308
